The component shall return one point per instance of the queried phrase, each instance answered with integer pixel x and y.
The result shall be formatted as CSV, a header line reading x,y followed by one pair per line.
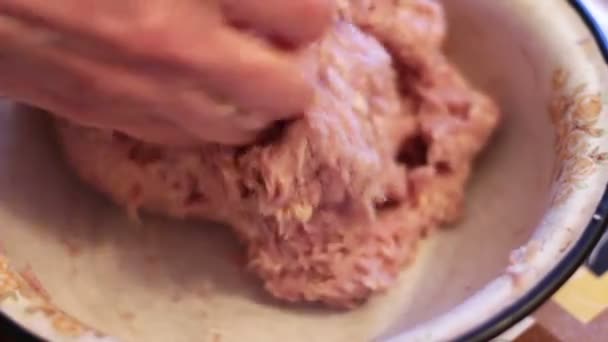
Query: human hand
x,y
165,71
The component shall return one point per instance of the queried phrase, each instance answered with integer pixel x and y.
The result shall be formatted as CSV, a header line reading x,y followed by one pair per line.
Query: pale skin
x,y
164,71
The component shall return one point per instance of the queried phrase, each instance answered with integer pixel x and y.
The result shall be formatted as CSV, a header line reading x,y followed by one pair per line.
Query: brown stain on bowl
x,y
34,283
575,112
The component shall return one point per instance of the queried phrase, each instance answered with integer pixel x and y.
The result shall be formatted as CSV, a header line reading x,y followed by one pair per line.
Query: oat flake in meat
x,y
331,208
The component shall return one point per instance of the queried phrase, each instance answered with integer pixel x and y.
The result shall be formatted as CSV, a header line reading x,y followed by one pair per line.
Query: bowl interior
x,y
164,280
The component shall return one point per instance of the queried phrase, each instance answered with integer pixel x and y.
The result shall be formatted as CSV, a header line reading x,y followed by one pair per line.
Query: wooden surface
x,y
538,334
555,324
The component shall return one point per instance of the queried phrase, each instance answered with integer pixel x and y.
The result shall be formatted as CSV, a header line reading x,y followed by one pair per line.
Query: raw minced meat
x,y
330,207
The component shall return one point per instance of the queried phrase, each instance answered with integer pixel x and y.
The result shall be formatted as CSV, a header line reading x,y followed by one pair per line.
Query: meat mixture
x,y
331,206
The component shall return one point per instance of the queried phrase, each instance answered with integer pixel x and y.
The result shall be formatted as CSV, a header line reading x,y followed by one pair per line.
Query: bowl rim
x,y
525,305
14,332
597,227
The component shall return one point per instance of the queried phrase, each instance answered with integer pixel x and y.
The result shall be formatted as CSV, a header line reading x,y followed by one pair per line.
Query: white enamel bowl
x,y
536,191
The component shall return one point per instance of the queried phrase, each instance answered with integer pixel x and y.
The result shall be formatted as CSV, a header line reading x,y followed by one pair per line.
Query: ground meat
x,y
330,206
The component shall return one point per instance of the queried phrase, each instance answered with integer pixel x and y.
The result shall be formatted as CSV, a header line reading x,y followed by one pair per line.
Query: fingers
x,y
241,71
102,96
296,22
98,96
41,74
162,134
225,132
80,17
234,85
208,121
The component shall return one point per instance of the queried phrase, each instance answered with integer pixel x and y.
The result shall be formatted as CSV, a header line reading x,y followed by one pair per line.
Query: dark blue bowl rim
x,y
544,290
523,307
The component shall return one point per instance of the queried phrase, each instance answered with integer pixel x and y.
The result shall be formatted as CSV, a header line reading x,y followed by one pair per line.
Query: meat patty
x,y
330,206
